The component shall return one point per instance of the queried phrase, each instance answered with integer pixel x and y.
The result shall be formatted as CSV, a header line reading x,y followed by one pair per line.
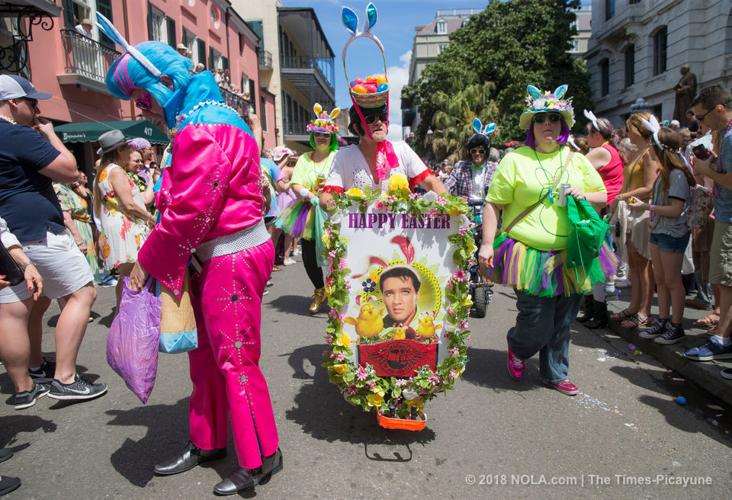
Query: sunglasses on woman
x,y
477,151
553,118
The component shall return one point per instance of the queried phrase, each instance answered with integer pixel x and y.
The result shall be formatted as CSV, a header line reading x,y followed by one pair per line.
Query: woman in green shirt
x,y
529,189
299,219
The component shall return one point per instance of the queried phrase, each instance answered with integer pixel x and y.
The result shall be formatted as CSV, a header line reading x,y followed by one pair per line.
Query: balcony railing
x,y
86,57
235,100
323,66
265,59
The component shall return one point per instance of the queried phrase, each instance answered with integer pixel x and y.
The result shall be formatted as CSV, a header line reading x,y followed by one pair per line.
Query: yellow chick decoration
x,y
370,321
398,185
399,333
426,327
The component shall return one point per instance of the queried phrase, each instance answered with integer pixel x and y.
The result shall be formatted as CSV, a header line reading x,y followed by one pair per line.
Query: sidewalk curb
x,y
704,374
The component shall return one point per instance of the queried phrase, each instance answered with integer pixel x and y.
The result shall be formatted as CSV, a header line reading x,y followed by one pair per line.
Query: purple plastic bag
x,y
132,343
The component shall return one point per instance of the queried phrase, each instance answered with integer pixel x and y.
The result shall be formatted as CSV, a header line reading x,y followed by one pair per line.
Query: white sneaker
x,y
297,252
289,261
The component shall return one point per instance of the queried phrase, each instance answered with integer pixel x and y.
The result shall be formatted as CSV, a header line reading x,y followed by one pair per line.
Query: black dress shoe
x,y
241,480
245,479
5,454
190,458
270,466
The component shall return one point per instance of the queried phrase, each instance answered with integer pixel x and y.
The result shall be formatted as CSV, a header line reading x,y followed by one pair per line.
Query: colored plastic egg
x,y
382,87
359,89
631,347
381,78
370,88
681,400
353,83
358,80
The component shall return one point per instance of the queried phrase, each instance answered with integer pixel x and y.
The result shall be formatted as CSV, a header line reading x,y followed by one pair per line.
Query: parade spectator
x,y
713,109
547,301
210,202
669,234
182,49
119,205
78,221
16,303
84,28
470,178
608,163
639,175
31,158
286,160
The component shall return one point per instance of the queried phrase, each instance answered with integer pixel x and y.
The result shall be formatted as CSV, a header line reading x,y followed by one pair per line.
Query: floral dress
x,y
78,208
121,237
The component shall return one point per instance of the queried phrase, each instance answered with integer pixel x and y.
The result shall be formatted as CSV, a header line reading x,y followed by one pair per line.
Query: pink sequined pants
x,y
227,298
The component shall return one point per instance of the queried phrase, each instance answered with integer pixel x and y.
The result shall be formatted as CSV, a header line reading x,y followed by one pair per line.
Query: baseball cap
x,y
16,87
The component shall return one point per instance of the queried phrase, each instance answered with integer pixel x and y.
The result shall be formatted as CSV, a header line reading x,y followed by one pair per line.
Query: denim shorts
x,y
672,244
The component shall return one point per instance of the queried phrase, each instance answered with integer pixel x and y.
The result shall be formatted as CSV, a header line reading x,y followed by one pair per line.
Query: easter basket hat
x,y
350,21
547,102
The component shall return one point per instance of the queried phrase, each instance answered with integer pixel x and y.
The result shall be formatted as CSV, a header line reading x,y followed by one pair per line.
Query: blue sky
x,y
395,28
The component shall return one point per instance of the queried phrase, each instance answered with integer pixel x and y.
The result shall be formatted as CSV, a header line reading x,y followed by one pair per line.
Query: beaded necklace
x,y
182,117
546,174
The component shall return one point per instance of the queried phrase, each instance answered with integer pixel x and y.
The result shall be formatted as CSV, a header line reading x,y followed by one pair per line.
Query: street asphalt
x,y
623,436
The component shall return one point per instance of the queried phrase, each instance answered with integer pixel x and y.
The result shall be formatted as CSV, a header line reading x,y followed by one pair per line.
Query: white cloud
x,y
398,78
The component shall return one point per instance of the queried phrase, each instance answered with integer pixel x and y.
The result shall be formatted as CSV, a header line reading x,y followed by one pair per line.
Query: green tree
x,y
511,44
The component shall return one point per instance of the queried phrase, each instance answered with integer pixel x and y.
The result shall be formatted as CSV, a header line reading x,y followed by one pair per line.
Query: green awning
x,y
90,131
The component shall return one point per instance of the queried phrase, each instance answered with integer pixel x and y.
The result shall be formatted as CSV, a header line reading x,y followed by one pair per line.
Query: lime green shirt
x,y
307,172
523,177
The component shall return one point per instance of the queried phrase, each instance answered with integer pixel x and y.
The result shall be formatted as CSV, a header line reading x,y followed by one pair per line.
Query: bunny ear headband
x,y
480,129
592,118
324,122
653,127
106,26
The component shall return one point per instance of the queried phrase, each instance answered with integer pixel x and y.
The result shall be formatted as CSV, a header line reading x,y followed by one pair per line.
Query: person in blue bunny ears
x,y
471,178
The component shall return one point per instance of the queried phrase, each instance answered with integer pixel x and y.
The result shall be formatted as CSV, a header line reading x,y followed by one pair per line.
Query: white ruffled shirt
x,y
350,169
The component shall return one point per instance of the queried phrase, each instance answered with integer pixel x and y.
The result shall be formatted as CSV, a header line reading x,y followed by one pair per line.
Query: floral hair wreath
x,y
547,102
324,122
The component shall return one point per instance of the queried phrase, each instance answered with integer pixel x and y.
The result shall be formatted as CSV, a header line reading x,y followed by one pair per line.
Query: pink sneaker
x,y
515,366
565,387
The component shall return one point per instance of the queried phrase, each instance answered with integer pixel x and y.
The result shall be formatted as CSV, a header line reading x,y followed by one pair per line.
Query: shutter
x,y
69,21
201,52
104,7
211,59
225,62
150,31
171,32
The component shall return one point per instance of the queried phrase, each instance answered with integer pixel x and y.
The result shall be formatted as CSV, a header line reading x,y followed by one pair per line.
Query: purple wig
x,y
530,140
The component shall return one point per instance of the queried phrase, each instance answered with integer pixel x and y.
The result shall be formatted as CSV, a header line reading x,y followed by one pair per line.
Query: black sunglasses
x,y
477,150
372,117
552,117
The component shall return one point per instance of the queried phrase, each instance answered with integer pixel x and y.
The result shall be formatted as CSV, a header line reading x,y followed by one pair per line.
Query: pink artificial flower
x,y
434,379
454,351
362,374
340,357
343,264
440,200
453,374
401,382
329,339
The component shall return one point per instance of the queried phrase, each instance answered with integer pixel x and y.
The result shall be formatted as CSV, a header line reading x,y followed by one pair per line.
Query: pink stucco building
x,y
71,63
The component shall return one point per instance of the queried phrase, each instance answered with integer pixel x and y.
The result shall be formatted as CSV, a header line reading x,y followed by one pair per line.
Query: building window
x,y
158,26
263,112
199,55
441,27
604,77
442,47
660,39
609,9
629,66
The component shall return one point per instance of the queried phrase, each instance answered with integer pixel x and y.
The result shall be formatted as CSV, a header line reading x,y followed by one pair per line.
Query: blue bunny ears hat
x,y
547,102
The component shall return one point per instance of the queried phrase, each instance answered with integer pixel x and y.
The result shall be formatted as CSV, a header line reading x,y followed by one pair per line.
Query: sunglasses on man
x,y
373,117
552,117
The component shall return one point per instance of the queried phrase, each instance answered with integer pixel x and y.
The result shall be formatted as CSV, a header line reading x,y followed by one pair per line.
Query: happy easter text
x,y
404,221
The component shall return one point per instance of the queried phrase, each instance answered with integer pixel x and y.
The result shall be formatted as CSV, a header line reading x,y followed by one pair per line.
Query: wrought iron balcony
x,y
265,59
314,77
86,61
235,100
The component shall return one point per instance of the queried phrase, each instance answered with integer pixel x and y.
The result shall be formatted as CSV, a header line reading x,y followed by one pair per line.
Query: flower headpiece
x,y
547,102
324,122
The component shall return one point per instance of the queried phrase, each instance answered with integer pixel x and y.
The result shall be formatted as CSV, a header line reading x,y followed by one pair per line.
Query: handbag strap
x,y
529,209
